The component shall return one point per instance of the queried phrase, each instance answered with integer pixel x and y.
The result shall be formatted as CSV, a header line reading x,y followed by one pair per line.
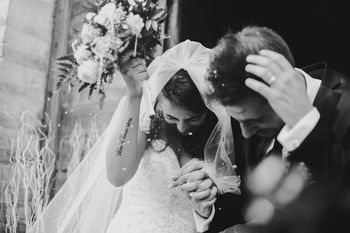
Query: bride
x,y
146,157
164,122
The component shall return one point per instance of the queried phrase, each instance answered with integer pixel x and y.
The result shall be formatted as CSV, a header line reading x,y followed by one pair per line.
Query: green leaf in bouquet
x,y
75,31
148,4
139,6
58,85
62,81
62,77
148,42
153,3
138,9
92,88
148,24
68,58
158,42
89,6
102,3
65,65
64,58
152,12
82,87
64,71
102,94
157,13
103,29
163,17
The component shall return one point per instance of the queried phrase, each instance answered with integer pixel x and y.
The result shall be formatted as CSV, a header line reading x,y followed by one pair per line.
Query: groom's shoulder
x,y
329,77
335,96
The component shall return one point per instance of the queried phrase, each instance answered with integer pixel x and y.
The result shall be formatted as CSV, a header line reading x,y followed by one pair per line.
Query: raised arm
x,y
127,143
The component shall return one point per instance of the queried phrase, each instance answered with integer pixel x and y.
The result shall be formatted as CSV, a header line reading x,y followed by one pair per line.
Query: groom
x,y
303,115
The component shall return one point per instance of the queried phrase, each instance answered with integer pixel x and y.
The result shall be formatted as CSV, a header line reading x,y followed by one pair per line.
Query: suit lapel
x,y
327,98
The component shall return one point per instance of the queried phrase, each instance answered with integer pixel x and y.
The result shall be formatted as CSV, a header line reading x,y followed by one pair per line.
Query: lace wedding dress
x,y
148,204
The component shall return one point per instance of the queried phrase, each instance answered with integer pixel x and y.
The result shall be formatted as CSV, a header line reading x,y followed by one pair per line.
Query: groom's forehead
x,y
236,111
244,110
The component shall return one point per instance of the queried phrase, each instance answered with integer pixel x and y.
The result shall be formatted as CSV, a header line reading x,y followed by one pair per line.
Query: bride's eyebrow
x,y
171,116
194,117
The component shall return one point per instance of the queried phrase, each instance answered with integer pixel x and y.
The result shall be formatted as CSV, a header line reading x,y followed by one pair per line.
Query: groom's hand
x,y
285,89
203,198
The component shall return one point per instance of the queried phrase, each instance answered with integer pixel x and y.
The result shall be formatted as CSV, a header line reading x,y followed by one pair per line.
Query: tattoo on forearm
x,y
122,139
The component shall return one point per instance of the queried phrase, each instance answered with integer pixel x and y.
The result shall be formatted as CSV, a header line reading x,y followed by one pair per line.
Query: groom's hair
x,y
227,68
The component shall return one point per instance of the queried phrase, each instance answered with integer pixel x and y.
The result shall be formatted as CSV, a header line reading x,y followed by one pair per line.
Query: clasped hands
x,y
199,187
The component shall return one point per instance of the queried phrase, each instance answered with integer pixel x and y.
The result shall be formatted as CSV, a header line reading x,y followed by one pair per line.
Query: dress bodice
x,y
149,204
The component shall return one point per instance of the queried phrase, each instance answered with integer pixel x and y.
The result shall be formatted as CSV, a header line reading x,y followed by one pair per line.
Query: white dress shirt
x,y
289,138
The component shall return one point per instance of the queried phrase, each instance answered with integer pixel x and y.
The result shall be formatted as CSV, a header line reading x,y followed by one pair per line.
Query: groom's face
x,y
256,117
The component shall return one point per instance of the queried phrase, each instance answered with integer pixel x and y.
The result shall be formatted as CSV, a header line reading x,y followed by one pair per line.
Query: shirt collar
x,y
312,85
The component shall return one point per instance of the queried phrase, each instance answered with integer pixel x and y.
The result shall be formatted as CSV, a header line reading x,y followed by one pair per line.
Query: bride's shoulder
x,y
158,144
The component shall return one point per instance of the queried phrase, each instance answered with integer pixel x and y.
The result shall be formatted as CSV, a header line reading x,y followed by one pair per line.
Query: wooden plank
x,y
60,44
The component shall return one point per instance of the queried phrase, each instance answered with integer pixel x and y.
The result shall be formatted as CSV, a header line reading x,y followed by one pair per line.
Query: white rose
x,y
135,22
90,15
88,71
100,19
132,2
108,9
117,43
82,54
109,15
89,33
102,46
118,14
105,13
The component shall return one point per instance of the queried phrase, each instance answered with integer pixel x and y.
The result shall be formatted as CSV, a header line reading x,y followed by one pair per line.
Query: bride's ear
x,y
158,102
157,105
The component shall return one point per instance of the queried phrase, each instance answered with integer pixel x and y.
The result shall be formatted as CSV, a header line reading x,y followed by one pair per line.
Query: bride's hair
x,y
182,91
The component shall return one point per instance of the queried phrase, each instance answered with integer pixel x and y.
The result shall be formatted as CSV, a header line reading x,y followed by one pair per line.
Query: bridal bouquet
x,y
110,28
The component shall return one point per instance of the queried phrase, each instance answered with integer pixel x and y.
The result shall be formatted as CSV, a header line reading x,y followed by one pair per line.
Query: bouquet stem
x,y
135,47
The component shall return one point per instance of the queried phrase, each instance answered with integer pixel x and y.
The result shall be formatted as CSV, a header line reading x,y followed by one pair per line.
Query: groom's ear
x,y
149,60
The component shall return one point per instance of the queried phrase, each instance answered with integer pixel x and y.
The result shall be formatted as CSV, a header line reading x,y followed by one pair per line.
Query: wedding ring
x,y
271,80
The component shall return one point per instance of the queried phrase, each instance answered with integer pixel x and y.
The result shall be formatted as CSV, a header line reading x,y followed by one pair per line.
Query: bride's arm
x,y
127,143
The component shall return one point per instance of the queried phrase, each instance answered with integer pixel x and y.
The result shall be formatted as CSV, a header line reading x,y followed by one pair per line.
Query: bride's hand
x,y
198,186
191,171
134,72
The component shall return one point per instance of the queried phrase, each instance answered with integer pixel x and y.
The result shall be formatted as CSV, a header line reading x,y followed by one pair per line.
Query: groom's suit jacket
x,y
325,152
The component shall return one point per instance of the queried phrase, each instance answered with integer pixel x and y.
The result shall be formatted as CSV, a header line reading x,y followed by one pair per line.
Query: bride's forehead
x,y
173,109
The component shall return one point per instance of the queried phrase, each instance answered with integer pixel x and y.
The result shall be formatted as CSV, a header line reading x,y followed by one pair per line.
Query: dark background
x,y
314,30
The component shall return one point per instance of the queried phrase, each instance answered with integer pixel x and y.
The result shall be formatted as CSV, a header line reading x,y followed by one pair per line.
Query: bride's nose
x,y
182,127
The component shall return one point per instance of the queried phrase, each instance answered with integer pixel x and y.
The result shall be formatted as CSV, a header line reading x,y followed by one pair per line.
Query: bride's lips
x,y
186,133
